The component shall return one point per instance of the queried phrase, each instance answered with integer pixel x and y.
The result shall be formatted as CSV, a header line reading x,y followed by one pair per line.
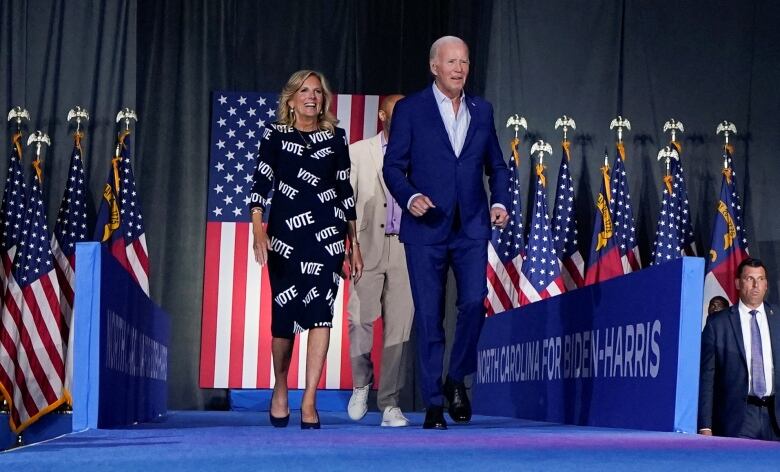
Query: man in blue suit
x,y
442,141
740,354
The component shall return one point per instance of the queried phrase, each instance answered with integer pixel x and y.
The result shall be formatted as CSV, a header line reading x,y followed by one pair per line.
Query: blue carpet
x,y
245,441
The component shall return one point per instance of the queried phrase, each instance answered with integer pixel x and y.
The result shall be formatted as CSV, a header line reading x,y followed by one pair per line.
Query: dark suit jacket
x,y
723,383
420,159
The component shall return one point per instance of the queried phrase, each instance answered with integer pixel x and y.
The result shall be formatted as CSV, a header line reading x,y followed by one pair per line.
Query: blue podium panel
x,y
121,341
623,353
49,426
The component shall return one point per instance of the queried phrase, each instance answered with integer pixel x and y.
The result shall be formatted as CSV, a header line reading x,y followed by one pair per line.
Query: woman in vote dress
x,y
304,158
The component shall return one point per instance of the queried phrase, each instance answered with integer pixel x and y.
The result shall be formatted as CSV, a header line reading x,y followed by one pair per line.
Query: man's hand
x,y
498,217
420,205
705,432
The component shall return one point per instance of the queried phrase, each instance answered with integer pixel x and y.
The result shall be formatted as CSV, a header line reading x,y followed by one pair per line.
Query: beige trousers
x,y
382,291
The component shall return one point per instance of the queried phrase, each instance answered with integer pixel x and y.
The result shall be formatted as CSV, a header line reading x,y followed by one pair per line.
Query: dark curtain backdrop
x,y
55,55
697,61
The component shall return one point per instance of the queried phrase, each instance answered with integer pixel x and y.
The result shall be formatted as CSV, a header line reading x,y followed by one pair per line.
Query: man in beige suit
x,y
384,288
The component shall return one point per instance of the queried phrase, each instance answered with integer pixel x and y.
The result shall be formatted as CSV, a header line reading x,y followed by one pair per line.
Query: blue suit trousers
x,y
428,266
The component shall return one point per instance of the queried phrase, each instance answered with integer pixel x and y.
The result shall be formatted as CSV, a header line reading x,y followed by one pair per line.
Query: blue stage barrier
x,y
49,426
260,399
120,366
623,353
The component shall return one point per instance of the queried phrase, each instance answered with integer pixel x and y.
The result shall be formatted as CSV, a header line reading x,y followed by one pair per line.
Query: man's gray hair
x,y
441,41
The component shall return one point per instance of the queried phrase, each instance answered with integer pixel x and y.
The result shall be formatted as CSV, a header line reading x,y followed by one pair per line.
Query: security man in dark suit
x,y
740,354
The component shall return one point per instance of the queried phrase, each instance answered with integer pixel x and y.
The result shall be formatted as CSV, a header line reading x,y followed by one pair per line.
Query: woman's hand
x,y
261,244
355,263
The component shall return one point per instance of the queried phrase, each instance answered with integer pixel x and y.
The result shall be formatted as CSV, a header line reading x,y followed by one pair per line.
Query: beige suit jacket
x,y
371,203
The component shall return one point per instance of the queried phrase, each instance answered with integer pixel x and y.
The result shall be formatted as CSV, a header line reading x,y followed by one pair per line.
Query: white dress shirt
x,y
456,125
766,345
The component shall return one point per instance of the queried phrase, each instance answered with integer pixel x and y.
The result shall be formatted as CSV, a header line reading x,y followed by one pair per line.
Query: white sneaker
x,y
358,402
393,417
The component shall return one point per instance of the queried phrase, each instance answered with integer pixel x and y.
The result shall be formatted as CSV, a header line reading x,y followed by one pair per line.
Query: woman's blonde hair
x,y
325,120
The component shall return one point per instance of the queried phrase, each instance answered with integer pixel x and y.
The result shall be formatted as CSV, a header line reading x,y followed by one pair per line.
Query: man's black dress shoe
x,y
460,407
434,418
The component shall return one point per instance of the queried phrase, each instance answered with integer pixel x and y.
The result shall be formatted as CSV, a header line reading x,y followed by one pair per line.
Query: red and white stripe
x,y
31,348
8,263
138,258
7,329
631,261
503,283
66,276
573,271
529,294
236,326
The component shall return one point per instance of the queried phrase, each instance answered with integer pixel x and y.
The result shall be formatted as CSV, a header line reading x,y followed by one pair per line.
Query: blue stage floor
x,y
224,441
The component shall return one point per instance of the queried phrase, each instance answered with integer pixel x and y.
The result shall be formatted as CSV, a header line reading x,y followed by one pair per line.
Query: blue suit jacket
x,y
420,159
723,384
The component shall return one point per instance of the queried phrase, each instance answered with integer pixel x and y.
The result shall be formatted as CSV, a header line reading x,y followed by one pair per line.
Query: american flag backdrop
x,y
11,221
688,241
540,277
33,336
565,225
12,209
70,228
236,321
674,233
623,214
505,249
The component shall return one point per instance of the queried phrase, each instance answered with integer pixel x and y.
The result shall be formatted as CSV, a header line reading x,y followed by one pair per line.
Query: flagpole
x,y
668,153
565,122
79,114
516,122
126,114
620,123
673,126
727,128
18,113
539,148
39,138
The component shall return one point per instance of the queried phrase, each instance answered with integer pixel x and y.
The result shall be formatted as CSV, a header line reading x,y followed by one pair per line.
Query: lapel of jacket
x,y
472,123
736,326
773,320
435,117
377,159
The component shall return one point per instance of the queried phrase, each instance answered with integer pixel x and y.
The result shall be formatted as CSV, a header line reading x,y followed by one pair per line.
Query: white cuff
x,y
409,203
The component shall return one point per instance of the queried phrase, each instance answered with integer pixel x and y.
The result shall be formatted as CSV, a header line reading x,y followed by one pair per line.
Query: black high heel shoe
x,y
278,422
307,425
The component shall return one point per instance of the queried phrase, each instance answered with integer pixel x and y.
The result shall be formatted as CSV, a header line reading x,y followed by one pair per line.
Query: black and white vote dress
x,y
307,223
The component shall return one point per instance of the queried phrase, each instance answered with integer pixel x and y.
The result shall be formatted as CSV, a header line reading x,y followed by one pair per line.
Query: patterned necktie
x,y
757,357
